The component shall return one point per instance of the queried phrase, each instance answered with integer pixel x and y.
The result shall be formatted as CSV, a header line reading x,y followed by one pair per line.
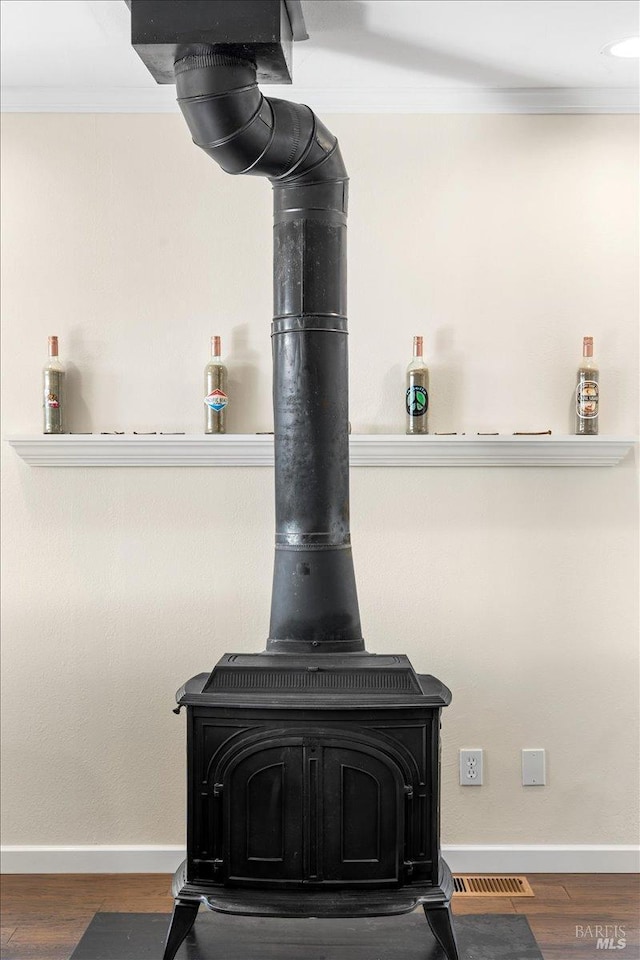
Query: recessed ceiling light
x,y
627,48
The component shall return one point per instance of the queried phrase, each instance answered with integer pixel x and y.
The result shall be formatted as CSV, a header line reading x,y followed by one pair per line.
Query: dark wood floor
x,y
43,917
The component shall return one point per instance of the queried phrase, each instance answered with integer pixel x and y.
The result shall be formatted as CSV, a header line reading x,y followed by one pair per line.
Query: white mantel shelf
x,y
366,450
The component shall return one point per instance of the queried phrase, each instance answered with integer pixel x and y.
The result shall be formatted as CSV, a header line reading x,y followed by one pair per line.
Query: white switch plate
x,y
534,772
471,768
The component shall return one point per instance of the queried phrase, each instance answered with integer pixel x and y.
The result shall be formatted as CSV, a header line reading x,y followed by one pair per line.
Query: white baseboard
x,y
543,858
114,858
496,858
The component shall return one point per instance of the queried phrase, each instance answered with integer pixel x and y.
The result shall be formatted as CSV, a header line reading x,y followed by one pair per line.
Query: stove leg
x,y
183,918
441,923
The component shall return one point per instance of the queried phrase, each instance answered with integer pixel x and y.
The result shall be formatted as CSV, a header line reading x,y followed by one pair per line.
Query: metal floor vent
x,y
466,886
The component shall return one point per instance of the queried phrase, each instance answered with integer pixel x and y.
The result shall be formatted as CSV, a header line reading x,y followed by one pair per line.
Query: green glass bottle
x,y
215,390
53,391
587,392
417,395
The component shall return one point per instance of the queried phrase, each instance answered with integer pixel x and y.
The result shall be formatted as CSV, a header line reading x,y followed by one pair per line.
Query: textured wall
x,y
503,240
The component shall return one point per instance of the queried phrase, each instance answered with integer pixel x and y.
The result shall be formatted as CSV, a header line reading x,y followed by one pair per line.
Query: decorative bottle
x,y
215,390
417,395
587,396
53,391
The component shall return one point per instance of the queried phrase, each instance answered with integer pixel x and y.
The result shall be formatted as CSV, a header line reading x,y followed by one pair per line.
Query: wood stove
x,y
313,768
313,790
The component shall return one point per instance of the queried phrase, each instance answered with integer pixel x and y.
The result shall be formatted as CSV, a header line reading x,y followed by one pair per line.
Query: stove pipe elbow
x,y
314,602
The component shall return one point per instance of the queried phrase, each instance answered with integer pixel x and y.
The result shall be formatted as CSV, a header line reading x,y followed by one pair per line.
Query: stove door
x,y
317,810
362,818
264,816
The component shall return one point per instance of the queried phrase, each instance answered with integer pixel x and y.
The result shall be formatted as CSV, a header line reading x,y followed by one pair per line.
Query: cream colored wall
x,y
503,239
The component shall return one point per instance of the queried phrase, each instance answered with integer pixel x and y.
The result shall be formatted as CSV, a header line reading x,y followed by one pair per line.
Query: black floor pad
x,y
140,936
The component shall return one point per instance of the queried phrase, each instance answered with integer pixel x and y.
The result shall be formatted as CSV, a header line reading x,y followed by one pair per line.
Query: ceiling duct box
x,y
259,30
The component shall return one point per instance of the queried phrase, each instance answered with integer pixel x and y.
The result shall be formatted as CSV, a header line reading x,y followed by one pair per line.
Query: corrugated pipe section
x,y
314,603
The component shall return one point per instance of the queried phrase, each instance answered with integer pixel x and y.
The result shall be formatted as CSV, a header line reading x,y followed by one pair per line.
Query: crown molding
x,y
161,99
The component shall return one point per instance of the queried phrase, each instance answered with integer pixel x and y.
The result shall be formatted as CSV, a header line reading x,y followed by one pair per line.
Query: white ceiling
x,y
396,55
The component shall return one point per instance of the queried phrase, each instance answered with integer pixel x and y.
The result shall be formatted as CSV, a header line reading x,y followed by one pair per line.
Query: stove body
x,y
313,790
315,776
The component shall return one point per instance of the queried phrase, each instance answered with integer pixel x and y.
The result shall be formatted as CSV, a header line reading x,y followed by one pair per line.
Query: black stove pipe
x,y
314,606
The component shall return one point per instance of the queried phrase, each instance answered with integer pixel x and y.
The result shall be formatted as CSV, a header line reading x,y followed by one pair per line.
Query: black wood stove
x,y
313,790
313,768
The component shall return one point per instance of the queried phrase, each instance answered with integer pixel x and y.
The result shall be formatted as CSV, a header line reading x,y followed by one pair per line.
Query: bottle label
x,y
587,398
217,400
52,401
417,401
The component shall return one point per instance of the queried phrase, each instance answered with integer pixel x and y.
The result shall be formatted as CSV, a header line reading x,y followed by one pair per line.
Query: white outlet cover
x,y
534,772
471,768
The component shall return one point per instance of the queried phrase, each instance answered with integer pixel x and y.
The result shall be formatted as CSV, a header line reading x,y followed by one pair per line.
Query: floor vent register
x,y
469,886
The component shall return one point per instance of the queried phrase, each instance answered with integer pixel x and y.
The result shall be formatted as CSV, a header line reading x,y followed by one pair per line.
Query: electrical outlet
x,y
471,768
534,772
